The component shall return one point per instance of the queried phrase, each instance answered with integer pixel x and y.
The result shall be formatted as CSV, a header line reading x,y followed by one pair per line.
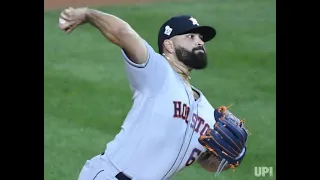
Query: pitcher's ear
x,y
168,46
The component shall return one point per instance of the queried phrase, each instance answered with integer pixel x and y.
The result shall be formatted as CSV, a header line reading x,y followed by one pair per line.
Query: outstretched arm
x,y
113,28
146,69
120,33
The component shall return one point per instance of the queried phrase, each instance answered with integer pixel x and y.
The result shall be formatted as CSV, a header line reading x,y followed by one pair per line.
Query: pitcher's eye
x,y
190,36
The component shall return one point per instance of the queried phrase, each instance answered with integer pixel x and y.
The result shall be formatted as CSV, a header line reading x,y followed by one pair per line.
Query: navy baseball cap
x,y
183,24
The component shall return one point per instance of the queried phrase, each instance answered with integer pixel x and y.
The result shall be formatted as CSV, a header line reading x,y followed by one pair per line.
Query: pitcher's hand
x,y
71,18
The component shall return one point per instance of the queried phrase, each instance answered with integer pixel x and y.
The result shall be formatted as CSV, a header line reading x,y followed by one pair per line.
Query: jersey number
x,y
194,154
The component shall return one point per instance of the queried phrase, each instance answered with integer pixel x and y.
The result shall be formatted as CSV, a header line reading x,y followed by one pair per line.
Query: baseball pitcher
x,y
171,124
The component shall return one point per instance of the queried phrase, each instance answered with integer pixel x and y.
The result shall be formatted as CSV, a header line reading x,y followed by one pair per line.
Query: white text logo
x,y
263,171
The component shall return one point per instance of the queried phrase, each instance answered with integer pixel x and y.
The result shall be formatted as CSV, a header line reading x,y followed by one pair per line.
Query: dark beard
x,y
191,58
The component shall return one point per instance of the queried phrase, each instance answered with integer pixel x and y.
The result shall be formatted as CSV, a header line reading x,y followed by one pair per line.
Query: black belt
x,y
120,175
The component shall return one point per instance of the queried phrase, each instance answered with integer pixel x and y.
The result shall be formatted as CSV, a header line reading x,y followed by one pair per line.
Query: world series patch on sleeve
x,y
227,140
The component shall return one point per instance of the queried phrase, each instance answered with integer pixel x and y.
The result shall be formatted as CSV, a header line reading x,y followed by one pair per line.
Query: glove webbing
x,y
224,162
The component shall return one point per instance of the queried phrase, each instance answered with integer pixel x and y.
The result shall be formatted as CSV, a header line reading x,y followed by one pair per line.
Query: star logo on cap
x,y
194,21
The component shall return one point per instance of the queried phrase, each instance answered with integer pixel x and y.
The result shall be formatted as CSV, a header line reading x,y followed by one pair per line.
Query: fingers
x,y
69,29
67,14
63,24
64,16
71,18
68,11
65,20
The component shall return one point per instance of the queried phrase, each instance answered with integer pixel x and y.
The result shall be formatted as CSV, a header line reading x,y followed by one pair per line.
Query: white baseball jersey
x,y
154,141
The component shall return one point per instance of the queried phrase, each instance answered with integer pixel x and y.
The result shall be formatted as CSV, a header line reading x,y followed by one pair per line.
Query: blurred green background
x,y
87,96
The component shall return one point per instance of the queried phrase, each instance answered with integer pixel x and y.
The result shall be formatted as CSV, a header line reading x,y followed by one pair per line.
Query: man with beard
x,y
159,136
